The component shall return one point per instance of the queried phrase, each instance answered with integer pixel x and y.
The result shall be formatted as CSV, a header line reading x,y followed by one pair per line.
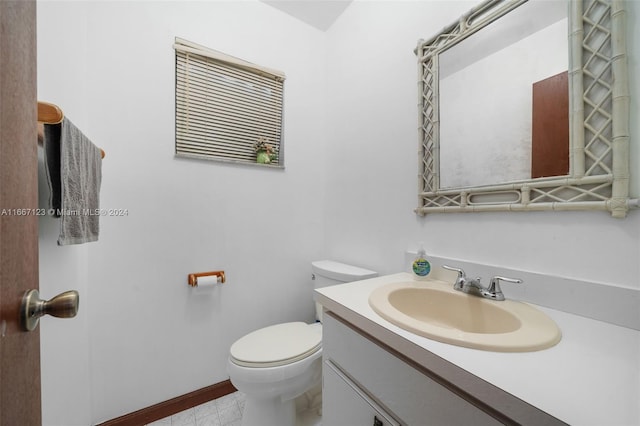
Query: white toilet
x,y
274,365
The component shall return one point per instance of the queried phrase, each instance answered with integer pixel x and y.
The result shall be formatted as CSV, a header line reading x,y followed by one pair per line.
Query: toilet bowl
x,y
274,365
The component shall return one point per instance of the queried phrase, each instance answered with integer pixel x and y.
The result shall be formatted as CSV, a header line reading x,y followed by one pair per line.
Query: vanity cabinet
x,y
365,384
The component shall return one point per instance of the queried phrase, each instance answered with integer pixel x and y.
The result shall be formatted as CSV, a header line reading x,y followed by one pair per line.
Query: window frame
x,y
224,105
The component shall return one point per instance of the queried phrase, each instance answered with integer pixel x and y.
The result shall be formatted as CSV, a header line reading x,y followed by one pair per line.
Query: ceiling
x,y
320,14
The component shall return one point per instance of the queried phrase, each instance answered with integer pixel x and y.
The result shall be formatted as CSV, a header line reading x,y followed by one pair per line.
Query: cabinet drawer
x,y
346,404
406,393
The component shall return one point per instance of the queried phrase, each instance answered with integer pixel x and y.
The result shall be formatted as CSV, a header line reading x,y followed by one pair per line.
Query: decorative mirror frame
x,y
598,119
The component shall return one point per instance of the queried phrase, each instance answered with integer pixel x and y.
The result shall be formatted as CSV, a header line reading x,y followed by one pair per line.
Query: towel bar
x,y
51,114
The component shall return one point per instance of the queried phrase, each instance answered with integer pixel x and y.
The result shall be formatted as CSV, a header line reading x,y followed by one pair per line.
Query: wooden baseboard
x,y
172,406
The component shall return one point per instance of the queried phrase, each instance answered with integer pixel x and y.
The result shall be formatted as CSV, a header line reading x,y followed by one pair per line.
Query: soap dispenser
x,y
421,266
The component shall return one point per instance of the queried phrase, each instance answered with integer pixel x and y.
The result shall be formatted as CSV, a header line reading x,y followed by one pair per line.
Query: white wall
x,y
372,163
142,335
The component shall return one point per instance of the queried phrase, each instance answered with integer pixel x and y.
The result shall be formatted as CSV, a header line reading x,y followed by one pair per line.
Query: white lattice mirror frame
x,y
599,119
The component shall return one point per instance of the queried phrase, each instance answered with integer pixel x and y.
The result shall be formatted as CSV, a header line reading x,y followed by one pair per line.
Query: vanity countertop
x,y
592,377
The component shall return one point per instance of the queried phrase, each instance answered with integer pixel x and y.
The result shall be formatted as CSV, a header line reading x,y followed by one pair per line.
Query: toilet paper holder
x,y
192,279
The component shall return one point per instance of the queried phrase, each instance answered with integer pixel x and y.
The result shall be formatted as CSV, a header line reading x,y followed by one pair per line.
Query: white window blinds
x,y
225,105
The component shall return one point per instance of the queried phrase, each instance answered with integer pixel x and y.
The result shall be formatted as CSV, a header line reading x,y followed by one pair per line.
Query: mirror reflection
x,y
504,100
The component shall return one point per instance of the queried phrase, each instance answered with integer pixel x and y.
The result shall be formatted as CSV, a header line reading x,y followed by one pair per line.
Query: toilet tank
x,y
329,272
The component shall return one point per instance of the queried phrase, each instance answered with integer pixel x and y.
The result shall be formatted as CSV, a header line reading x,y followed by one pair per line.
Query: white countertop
x,y
592,377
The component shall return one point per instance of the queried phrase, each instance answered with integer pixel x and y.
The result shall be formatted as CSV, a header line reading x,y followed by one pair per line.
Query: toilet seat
x,y
277,345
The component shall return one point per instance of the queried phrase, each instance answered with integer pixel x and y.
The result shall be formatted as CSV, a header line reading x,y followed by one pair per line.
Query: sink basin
x,y
435,310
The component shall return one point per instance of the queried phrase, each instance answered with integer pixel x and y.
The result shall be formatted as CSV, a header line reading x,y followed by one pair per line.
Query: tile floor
x,y
224,411
227,411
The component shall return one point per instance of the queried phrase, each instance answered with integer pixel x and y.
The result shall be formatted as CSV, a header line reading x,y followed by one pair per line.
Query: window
x,y
227,108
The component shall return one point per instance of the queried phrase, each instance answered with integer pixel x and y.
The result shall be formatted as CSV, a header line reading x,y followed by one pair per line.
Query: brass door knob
x,y
64,305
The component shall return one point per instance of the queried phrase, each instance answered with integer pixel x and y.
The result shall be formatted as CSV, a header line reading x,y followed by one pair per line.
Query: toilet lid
x,y
276,345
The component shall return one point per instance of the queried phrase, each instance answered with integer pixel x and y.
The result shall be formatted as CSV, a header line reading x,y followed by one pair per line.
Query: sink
x,y
433,309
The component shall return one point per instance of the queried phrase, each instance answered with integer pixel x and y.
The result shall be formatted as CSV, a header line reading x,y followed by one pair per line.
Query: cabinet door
x,y
345,403
412,397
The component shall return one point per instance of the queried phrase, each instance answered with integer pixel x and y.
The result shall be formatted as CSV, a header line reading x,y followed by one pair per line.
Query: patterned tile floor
x,y
224,411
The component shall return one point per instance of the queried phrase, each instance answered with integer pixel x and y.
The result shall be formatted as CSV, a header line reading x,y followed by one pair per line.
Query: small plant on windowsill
x,y
265,152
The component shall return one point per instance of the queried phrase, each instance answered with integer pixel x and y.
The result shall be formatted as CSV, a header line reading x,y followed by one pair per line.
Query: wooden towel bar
x,y
51,114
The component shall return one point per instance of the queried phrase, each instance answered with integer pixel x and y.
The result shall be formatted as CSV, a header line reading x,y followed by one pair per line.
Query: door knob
x,y
64,305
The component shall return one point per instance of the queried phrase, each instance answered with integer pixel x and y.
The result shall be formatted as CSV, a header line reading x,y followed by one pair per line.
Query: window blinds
x,y
224,104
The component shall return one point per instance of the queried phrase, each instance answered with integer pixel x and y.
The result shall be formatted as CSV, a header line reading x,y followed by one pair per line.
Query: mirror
x,y
517,111
498,68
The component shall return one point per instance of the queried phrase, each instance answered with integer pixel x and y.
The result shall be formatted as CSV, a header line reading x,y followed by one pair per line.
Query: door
x,y
19,350
550,128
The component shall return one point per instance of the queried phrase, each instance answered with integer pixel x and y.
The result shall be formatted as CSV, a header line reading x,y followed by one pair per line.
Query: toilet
x,y
274,365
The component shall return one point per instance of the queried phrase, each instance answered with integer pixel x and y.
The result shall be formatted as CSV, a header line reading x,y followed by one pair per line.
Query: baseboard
x,y
172,406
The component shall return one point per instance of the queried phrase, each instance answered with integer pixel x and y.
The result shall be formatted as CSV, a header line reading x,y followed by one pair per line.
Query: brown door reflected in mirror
x,y
550,128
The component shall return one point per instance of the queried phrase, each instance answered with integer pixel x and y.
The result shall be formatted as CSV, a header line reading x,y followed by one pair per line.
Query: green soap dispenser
x,y
421,266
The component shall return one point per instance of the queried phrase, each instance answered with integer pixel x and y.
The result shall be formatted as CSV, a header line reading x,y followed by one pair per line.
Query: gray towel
x,y
74,171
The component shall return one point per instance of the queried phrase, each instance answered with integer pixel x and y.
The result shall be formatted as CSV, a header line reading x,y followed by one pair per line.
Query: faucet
x,y
473,285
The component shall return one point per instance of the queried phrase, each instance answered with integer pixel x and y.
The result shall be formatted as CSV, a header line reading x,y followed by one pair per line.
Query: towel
x,y
73,167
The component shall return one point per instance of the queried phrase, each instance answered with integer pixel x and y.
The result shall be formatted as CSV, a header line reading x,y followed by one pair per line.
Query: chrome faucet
x,y
473,285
